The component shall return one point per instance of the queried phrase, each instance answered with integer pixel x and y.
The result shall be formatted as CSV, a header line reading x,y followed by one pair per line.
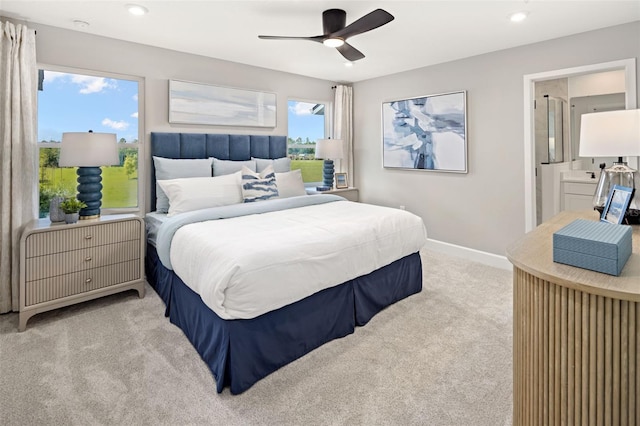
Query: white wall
x,y
67,48
484,209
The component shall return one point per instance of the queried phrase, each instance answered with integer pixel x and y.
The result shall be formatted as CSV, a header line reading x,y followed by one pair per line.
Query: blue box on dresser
x,y
598,246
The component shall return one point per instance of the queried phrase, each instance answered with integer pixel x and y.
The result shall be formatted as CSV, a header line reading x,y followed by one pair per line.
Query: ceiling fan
x,y
335,33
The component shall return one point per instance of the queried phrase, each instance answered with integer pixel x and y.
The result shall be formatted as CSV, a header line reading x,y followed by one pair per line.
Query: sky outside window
x,y
79,103
303,123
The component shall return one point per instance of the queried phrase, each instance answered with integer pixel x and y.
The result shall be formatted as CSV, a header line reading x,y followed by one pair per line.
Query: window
x,y
306,125
73,102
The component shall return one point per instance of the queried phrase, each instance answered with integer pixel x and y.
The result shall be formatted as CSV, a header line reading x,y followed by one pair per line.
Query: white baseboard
x,y
471,254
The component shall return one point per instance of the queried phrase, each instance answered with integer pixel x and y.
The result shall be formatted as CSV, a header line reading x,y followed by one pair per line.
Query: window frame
x,y
328,124
140,145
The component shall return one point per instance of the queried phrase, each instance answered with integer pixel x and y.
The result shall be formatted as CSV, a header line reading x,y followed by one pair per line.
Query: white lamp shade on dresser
x,y
88,149
610,134
329,149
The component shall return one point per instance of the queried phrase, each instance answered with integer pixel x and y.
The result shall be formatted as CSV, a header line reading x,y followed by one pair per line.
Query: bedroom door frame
x,y
629,67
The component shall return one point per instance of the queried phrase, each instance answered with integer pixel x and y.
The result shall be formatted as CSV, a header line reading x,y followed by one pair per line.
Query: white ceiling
x,y
423,33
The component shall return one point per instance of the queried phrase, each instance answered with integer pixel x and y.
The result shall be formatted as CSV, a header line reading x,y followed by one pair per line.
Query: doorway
x,y
530,187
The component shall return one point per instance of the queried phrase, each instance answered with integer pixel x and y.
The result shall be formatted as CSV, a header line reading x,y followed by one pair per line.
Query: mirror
x,y
587,104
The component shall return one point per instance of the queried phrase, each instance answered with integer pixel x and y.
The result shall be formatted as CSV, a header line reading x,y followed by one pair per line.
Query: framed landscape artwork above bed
x,y
426,133
199,103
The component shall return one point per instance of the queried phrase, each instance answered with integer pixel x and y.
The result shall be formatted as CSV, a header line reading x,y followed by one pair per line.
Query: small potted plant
x,y
58,195
71,208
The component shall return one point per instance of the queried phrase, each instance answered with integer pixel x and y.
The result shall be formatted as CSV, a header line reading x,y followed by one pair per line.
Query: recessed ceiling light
x,y
348,64
518,16
333,42
137,10
80,24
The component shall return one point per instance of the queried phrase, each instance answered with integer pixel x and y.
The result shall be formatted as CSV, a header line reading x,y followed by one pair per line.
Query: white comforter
x,y
246,266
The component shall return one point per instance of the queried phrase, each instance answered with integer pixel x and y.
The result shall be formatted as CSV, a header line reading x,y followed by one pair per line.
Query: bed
x,y
241,347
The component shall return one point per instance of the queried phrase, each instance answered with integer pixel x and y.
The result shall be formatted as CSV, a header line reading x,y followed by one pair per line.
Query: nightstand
x,y
350,193
61,264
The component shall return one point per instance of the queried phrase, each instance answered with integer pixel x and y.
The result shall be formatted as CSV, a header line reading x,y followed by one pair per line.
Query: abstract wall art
x,y
426,133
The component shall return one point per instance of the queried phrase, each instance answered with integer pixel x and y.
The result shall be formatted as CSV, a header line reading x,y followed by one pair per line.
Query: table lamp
x,y
329,150
613,134
88,151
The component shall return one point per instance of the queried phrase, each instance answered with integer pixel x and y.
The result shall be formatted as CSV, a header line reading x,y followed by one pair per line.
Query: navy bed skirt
x,y
241,352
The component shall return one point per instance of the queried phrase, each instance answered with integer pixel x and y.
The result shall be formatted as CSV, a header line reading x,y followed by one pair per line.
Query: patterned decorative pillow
x,y
258,186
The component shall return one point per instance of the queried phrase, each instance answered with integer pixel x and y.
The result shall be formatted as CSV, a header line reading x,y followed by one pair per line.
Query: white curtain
x,y
18,151
343,126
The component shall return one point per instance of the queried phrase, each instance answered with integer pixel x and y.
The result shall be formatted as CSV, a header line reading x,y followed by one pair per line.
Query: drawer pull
x,y
88,280
87,259
88,237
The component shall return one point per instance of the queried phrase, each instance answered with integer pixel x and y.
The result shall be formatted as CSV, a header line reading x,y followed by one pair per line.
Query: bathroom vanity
x,y
576,190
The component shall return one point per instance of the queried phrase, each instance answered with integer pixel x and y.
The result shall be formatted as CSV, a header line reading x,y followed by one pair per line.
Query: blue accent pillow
x,y
258,186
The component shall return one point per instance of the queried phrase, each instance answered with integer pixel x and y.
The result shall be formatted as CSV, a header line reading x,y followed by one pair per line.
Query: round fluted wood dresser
x,y
576,335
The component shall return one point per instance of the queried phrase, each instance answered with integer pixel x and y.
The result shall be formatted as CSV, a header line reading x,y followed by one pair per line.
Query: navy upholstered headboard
x,y
221,146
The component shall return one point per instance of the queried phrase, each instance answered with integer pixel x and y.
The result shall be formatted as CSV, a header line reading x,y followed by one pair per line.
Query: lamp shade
x,y
329,148
88,149
610,134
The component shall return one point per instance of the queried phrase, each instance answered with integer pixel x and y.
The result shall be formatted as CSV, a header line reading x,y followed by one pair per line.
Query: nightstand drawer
x,y
73,238
68,262
81,282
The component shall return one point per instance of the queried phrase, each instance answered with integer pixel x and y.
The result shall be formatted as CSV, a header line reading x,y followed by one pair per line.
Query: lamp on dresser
x,y
88,151
613,134
329,150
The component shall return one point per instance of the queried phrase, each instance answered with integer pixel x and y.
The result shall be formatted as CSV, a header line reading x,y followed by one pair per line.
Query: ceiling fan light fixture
x,y
333,42
137,10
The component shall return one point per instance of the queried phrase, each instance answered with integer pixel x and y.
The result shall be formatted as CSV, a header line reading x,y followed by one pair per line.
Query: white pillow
x,y
227,167
259,186
280,165
290,184
202,192
172,168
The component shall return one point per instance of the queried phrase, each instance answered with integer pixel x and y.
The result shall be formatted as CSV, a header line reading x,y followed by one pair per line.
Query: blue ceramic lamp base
x,y
327,173
90,191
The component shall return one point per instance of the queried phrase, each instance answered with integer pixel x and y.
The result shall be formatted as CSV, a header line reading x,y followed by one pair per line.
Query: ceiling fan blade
x,y
349,52
314,38
368,22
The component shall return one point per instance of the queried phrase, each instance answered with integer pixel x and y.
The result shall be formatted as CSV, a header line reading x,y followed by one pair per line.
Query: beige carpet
x,y
441,357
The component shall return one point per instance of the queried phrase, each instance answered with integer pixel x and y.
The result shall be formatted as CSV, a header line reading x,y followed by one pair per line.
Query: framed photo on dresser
x,y
617,204
341,180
